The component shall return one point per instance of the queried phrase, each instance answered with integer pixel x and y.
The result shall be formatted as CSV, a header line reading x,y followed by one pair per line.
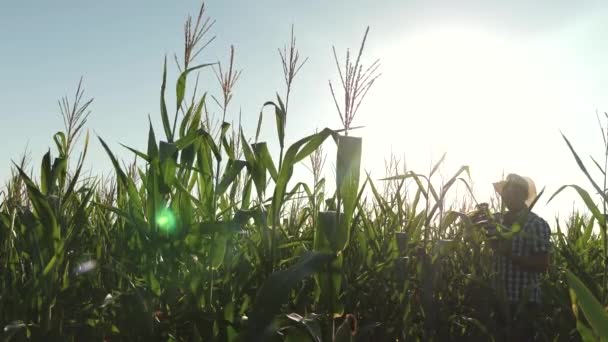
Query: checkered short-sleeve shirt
x,y
533,238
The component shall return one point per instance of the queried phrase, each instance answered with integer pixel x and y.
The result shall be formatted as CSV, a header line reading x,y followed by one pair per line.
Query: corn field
x,y
208,237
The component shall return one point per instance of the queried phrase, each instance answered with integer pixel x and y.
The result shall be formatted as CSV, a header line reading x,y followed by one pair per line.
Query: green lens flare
x,y
166,220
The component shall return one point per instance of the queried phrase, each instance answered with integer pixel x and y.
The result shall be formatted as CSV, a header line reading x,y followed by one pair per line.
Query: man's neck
x,y
514,214
518,211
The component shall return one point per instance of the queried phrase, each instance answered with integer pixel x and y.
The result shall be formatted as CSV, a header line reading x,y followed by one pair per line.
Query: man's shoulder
x,y
536,221
534,216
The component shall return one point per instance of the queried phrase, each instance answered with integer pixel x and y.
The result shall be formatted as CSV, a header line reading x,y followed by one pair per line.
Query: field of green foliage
x,y
209,238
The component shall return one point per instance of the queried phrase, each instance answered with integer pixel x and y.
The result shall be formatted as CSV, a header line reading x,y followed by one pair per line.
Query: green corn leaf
x,y
311,324
275,291
446,187
137,153
325,232
189,144
295,192
586,333
345,332
196,119
293,154
41,205
214,148
50,265
185,209
229,148
152,145
259,125
418,179
280,119
255,167
168,165
316,140
348,166
153,193
45,174
263,155
599,167
180,88
480,326
233,169
167,151
135,201
70,189
246,195
60,142
349,202
206,183
533,203
163,105
218,249
120,213
85,149
581,165
154,284
186,192
295,334
80,218
437,165
59,172
186,159
208,228
585,239
65,281
380,201
189,138
247,151
415,202
452,216
443,248
591,307
225,127
584,195
186,120
329,280
309,193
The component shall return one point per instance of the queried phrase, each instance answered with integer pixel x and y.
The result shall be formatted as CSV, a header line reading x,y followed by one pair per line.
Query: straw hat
x,y
522,181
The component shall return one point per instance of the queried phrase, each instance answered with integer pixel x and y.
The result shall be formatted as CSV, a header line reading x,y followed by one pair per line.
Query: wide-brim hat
x,y
522,181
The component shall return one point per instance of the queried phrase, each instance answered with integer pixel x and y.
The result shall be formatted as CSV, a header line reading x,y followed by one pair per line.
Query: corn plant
x,y
206,236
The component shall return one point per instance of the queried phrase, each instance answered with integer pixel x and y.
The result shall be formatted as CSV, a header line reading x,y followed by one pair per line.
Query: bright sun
x,y
455,90
450,90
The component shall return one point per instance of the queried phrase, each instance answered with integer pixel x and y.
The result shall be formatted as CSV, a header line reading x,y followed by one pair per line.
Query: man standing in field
x,y
521,260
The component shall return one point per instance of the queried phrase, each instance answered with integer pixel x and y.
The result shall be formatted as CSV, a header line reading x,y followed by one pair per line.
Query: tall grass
x,y
210,238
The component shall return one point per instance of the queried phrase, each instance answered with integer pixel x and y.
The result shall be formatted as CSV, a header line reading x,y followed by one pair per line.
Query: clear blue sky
x,y
490,83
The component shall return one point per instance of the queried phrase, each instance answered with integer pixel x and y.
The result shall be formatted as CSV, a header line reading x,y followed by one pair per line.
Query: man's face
x,y
514,197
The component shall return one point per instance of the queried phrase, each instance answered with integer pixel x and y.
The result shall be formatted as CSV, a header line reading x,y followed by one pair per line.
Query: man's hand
x,y
493,244
532,263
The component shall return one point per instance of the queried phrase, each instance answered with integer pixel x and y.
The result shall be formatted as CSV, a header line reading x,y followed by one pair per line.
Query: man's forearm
x,y
531,263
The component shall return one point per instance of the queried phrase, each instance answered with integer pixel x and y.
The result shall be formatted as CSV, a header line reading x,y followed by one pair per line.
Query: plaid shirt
x,y
533,238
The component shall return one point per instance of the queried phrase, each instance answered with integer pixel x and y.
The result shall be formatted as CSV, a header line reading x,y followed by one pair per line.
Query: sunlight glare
x,y
455,90
166,221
